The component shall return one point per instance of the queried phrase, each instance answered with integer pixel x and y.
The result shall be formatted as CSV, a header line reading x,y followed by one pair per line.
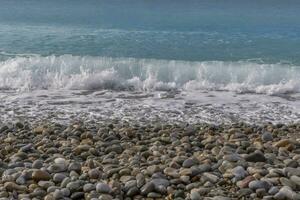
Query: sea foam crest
x,y
33,72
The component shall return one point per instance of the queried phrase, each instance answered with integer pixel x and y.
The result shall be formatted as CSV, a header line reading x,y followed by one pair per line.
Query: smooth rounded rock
x,y
59,177
74,186
267,136
40,175
256,157
195,195
254,185
103,188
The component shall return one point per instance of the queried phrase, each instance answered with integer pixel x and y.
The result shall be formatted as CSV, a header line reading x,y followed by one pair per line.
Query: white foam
x,y
33,72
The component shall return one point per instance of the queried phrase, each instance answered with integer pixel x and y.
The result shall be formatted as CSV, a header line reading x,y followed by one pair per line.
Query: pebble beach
x,y
114,160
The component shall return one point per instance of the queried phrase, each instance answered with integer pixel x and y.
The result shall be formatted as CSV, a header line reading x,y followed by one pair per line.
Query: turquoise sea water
x,y
193,30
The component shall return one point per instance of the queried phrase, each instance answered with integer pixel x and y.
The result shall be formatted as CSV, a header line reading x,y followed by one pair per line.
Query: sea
x,y
175,61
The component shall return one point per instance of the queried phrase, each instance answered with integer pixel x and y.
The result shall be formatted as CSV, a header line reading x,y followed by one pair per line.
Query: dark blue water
x,y
200,30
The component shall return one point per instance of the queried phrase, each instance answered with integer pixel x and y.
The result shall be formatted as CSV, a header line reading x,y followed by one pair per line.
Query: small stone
x,y
261,192
147,188
291,163
66,192
254,185
273,190
38,130
4,194
153,195
185,179
74,167
81,149
282,143
19,125
21,180
89,187
160,182
56,168
65,182
244,192
186,172
179,194
239,173
288,182
40,175
234,157
37,164
94,173
27,147
114,148
74,186
289,171
45,184
287,193
125,179
49,197
103,188
133,191
210,177
161,189
52,188
10,186
57,194
59,177
267,136
257,156
77,195
221,198
105,197
61,161
153,169
195,195
189,162
171,172
140,180
296,180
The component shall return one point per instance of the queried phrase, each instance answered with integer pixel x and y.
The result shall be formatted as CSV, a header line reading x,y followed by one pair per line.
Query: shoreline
x,y
65,106
113,160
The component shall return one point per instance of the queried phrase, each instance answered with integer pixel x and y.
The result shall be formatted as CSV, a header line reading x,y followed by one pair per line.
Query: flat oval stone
x,y
103,188
59,177
94,173
40,175
189,162
254,185
211,177
287,193
147,188
296,180
195,195
37,164
57,194
255,157
89,187
239,172
171,172
267,136
74,186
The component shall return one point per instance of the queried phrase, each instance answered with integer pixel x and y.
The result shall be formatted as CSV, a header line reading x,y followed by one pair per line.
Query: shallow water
x,y
138,107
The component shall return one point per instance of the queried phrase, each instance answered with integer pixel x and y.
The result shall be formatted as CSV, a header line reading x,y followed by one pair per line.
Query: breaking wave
x,y
34,72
